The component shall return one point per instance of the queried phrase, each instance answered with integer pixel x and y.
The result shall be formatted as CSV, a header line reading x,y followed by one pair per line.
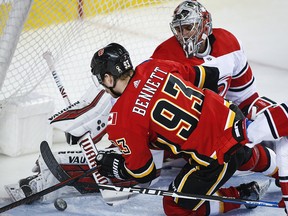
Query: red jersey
x,y
158,106
236,81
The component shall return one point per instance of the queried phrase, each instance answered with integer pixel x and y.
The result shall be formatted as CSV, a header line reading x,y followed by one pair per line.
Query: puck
x,y
60,204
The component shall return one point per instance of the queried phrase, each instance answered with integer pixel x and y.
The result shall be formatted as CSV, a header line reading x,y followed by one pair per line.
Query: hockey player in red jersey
x,y
196,42
157,108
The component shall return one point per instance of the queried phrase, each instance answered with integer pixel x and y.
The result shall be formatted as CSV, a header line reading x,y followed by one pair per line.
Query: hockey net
x,y
72,30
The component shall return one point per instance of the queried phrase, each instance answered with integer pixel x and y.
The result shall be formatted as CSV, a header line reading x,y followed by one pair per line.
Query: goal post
x,y
72,30
15,12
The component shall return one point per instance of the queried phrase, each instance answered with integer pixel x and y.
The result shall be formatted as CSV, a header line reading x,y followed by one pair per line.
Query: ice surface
x,y
261,26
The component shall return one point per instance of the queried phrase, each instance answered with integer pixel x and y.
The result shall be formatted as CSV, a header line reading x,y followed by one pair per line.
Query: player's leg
x,y
207,180
269,125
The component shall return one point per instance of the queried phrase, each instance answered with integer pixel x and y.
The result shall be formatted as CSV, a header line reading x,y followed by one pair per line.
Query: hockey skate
x,y
253,191
26,187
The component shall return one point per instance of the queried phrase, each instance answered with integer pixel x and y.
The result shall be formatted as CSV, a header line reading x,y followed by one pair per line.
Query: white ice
x,y
261,26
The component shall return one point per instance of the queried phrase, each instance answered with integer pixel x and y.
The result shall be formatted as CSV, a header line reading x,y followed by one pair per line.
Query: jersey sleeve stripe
x,y
285,109
271,124
244,69
202,76
176,150
230,119
149,167
239,89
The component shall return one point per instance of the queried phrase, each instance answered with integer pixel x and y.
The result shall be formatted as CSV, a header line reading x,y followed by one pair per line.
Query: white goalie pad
x,y
89,114
46,179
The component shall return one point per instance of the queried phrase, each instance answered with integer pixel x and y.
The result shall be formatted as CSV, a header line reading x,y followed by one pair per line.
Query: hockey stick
x,y
135,190
50,62
181,195
57,170
39,194
86,143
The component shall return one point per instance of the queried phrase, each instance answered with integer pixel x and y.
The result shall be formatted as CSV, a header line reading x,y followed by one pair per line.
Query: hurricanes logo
x,y
223,85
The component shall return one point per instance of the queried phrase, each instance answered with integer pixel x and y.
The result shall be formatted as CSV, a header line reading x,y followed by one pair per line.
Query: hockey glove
x,y
232,140
111,165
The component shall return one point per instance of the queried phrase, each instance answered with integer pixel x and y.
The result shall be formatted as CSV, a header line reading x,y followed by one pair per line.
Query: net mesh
x,y
72,31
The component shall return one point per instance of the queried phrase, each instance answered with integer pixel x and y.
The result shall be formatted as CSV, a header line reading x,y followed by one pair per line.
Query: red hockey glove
x,y
233,139
258,106
111,165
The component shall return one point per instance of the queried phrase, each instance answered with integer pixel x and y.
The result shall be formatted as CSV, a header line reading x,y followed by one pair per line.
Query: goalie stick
x,y
61,174
50,62
39,194
86,143
57,170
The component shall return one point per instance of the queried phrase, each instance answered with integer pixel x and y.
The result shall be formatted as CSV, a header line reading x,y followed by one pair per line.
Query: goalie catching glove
x,y
232,140
111,165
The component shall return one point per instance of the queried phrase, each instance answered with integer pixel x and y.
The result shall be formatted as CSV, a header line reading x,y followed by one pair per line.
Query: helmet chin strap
x,y
114,84
115,93
207,50
112,88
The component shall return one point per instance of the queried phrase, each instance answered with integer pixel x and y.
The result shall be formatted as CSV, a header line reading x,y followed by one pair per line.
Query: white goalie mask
x,y
191,25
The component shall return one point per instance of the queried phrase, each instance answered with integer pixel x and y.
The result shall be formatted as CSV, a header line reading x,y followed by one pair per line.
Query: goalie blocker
x,y
89,114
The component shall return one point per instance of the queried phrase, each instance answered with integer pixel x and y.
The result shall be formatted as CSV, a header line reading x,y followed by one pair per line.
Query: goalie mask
x,y
113,59
191,25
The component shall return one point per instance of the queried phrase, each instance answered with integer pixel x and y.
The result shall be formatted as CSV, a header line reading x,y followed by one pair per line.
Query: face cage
x,y
192,44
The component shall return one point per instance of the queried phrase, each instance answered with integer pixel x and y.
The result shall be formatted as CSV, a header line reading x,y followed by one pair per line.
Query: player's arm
x,y
270,124
234,137
206,77
128,164
200,76
242,90
113,165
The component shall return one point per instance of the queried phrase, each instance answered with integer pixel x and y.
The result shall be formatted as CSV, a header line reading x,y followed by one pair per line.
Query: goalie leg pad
x,y
25,187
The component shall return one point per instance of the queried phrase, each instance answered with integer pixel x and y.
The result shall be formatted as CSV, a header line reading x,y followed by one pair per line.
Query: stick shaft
x,y
158,192
86,142
50,62
39,194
